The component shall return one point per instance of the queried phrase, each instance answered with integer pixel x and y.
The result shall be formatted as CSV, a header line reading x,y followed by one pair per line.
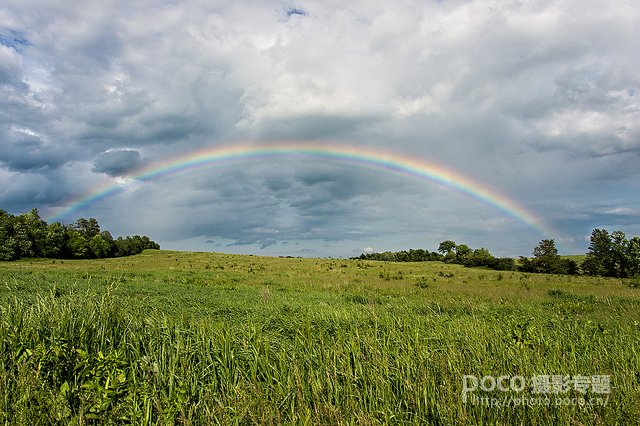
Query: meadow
x,y
202,338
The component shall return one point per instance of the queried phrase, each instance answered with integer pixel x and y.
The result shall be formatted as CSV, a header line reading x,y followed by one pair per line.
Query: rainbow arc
x,y
378,160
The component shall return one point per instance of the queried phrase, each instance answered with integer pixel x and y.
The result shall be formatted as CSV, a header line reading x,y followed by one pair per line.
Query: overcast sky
x,y
537,100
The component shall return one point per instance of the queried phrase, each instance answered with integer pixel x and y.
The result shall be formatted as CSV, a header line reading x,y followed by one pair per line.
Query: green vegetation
x,y
413,255
546,260
195,338
612,255
27,235
609,256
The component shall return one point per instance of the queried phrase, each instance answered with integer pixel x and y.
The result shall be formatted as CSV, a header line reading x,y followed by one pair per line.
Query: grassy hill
x,y
203,338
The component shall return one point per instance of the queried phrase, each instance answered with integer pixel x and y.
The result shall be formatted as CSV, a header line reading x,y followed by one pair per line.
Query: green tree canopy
x,y
633,257
599,259
446,247
612,255
27,235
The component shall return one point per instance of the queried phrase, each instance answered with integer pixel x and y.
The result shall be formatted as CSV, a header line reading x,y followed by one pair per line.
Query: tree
x,y
88,228
35,229
480,257
106,235
545,248
619,254
76,243
546,258
98,247
633,257
413,255
446,247
570,267
55,241
612,255
599,260
8,248
23,243
463,252
27,235
7,241
526,265
502,264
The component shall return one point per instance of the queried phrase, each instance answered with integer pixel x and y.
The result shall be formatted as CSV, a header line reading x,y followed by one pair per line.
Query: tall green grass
x,y
286,341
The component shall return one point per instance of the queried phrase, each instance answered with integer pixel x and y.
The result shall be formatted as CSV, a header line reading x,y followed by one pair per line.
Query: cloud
x,y
118,162
622,211
537,101
10,65
24,149
267,243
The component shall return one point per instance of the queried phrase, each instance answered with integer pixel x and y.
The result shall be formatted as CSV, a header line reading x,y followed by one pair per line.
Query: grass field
x,y
201,338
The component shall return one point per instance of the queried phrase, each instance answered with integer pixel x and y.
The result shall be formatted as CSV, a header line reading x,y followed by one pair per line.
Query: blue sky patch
x,y
295,11
15,41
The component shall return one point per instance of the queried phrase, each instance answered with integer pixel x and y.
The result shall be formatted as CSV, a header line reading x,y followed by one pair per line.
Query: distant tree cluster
x,y
449,252
413,255
610,255
27,235
465,255
546,260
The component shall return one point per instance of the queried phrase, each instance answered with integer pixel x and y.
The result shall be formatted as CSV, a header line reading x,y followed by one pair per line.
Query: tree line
x,y
448,252
28,236
609,255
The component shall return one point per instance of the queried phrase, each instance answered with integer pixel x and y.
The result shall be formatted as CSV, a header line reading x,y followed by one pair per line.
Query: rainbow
x,y
357,156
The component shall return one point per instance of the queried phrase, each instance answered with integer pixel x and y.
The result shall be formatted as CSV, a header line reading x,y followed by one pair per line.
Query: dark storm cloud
x,y
20,192
117,163
24,150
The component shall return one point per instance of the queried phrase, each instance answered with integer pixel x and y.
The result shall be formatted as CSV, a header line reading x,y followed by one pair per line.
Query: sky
x,y
534,101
